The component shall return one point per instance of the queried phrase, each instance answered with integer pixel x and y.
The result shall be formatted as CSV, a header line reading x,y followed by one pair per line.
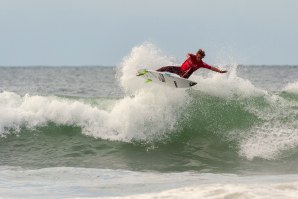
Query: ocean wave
x,y
256,127
251,122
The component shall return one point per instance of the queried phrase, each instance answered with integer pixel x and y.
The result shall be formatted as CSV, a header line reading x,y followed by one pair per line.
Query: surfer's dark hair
x,y
201,52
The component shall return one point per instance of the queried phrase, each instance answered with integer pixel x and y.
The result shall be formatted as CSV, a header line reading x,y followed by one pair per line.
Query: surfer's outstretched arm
x,y
213,68
217,70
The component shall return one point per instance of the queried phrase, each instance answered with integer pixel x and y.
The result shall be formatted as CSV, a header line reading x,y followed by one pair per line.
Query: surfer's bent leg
x,y
165,69
171,69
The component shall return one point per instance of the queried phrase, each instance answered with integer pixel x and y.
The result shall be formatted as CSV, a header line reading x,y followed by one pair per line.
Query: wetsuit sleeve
x,y
206,66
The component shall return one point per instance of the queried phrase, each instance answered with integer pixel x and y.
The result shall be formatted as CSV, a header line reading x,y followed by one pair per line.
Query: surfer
x,y
190,65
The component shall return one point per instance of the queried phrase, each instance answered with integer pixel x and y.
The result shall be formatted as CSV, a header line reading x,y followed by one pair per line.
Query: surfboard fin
x,y
148,81
142,72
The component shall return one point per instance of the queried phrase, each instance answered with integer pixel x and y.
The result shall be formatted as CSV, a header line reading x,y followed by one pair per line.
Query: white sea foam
x,y
227,86
292,88
269,141
276,132
68,182
130,118
229,190
146,112
145,56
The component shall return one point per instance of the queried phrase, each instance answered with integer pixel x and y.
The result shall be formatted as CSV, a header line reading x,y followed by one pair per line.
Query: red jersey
x,y
192,63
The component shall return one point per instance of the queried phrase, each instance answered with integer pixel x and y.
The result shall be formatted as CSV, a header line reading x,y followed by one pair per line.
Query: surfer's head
x,y
200,54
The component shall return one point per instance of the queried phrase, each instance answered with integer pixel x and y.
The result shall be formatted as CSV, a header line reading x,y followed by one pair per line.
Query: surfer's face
x,y
199,57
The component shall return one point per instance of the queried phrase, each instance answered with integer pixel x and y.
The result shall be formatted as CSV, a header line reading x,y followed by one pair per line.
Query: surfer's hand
x,y
223,71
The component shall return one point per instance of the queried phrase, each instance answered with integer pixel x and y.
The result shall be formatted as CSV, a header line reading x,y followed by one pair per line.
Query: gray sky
x,y
102,32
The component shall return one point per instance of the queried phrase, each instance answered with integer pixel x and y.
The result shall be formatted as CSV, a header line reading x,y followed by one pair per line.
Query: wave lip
x,y
130,118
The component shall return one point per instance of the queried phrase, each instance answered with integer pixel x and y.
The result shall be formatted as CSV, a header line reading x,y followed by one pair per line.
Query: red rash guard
x,y
190,65
193,64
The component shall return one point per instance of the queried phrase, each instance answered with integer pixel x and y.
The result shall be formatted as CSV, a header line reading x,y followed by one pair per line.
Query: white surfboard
x,y
165,78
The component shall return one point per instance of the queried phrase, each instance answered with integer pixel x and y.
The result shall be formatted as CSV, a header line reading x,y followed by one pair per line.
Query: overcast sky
x,y
102,32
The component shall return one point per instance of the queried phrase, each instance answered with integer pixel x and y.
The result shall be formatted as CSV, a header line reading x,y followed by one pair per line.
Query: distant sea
x,y
102,132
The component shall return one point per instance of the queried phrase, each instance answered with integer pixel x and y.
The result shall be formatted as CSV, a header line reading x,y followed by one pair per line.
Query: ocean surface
x,y
102,132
